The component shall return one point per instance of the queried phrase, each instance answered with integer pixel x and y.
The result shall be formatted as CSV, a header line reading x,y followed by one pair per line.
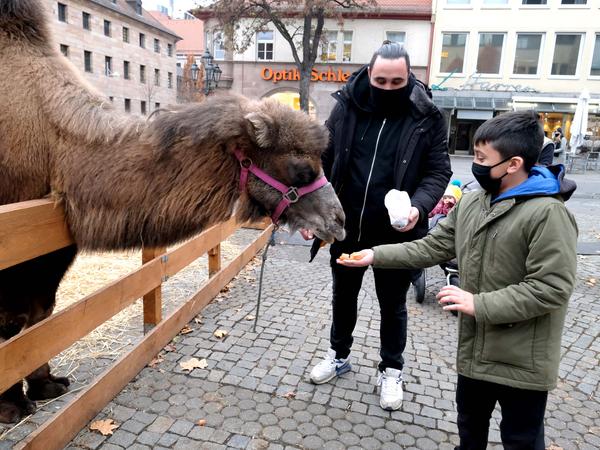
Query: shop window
x,y
490,53
527,54
453,52
566,54
292,99
264,45
86,21
329,46
596,58
396,36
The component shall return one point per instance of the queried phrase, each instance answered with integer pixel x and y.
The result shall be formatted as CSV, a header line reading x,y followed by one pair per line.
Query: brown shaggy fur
x,y
127,182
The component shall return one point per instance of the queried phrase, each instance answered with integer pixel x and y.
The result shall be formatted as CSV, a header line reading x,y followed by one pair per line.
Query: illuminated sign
x,y
329,75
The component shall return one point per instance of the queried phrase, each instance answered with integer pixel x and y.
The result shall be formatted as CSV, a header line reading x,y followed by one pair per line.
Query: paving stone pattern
x,y
243,394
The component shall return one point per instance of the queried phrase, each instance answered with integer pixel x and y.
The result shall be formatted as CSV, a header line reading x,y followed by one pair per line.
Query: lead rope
x,y
262,271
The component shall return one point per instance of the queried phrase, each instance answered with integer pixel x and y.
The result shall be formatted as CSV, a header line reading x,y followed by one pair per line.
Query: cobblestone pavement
x,y
255,391
244,394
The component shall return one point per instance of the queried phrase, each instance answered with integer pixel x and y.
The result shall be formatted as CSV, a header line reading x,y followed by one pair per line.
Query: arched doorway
x,y
292,99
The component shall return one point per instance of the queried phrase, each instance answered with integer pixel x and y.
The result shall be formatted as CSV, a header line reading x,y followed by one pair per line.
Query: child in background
x,y
451,196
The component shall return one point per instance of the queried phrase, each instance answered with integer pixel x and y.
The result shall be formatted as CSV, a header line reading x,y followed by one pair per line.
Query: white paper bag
x,y
398,206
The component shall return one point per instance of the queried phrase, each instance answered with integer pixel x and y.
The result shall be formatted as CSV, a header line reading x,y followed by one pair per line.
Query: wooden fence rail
x,y
33,228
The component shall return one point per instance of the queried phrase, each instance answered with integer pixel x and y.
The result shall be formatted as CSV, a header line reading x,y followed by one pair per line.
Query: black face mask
x,y
390,101
485,180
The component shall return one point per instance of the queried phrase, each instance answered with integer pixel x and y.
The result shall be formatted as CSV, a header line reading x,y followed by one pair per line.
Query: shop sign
x,y
329,75
474,83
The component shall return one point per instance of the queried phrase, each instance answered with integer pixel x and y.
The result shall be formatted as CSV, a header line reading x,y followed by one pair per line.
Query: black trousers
x,y
391,286
522,424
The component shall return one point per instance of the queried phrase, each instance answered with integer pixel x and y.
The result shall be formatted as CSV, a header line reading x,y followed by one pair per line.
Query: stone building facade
x,y
120,48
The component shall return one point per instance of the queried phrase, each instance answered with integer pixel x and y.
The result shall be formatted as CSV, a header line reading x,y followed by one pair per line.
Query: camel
x,y
125,182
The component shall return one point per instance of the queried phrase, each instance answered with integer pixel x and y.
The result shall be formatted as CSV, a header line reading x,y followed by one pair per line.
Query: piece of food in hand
x,y
344,256
356,256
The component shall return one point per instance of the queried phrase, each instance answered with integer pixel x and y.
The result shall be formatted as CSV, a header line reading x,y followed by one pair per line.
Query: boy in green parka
x,y
515,242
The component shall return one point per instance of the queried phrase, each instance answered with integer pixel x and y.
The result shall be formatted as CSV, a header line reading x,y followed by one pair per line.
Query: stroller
x,y
450,268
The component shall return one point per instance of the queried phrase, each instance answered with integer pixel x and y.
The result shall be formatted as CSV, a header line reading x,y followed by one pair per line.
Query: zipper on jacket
x,y
362,211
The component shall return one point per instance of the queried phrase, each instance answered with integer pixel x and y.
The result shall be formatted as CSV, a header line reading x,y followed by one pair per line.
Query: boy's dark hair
x,y
390,50
515,133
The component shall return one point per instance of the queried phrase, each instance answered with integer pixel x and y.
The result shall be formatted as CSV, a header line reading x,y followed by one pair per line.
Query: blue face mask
x,y
485,180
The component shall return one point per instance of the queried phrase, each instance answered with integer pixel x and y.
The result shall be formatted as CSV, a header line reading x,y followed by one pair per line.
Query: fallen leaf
x,y
220,333
201,422
186,330
289,395
250,317
156,361
198,320
194,363
105,426
170,348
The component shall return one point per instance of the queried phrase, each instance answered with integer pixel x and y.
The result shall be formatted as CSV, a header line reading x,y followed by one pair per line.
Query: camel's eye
x,y
301,173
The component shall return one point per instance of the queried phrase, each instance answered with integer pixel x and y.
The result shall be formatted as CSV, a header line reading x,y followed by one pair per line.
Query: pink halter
x,y
290,194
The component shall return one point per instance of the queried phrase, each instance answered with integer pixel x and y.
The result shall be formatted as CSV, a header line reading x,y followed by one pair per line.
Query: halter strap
x,y
290,194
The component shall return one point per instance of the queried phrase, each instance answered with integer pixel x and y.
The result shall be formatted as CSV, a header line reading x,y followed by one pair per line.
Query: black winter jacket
x,y
421,165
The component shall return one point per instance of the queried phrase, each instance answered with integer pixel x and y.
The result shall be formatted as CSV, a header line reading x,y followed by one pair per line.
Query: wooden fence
x,y
33,228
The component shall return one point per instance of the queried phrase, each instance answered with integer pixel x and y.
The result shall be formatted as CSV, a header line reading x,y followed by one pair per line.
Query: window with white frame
x,y
566,54
218,45
264,45
495,2
490,53
347,48
329,46
453,52
396,36
534,2
595,70
573,2
458,2
527,53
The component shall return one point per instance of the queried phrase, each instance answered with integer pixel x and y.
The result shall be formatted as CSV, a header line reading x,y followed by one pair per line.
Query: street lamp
x,y
194,69
212,72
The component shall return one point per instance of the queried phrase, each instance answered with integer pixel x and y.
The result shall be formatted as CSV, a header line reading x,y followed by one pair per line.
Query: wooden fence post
x,y
153,299
214,260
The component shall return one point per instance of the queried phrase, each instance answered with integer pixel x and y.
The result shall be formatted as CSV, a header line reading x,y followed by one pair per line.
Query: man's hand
x,y
367,258
306,234
461,300
413,218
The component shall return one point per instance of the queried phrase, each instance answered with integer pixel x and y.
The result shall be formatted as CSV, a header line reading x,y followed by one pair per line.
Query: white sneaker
x,y
391,389
329,368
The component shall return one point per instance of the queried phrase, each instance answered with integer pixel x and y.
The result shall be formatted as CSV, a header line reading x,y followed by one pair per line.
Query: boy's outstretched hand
x,y
357,259
460,300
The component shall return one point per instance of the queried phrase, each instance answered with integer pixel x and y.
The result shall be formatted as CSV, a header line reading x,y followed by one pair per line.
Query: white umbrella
x,y
580,121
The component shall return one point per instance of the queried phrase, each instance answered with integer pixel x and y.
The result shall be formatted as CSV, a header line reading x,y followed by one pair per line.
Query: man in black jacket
x,y
385,133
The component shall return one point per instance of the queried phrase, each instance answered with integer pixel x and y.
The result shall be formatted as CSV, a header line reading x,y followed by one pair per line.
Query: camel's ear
x,y
260,127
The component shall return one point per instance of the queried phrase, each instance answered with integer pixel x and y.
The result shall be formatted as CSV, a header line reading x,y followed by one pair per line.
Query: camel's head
x,y
287,145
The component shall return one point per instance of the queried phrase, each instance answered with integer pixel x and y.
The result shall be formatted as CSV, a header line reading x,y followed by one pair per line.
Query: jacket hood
x,y
542,181
357,90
